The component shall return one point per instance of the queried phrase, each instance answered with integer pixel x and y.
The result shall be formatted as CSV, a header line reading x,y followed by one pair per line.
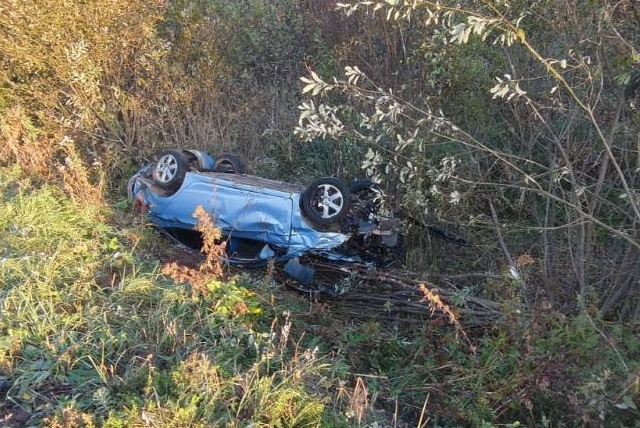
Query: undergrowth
x,y
95,331
92,334
102,323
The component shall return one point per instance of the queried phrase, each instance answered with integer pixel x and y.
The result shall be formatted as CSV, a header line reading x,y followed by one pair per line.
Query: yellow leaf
x,y
316,77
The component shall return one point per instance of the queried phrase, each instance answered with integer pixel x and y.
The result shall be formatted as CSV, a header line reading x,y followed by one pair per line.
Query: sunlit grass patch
x,y
92,332
51,252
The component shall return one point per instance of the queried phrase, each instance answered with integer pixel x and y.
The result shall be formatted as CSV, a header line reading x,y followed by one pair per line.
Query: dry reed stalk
x,y
213,250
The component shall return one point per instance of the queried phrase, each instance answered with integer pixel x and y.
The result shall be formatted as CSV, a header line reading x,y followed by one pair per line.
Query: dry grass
x,y
53,158
436,304
211,268
22,143
213,247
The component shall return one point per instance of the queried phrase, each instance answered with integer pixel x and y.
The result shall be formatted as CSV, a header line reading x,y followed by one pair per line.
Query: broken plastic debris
x,y
301,273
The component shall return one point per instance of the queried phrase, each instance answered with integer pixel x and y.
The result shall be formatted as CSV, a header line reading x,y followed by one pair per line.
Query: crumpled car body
x,y
261,219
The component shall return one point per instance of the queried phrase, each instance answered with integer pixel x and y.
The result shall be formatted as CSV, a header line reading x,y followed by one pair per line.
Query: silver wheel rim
x,y
329,201
166,168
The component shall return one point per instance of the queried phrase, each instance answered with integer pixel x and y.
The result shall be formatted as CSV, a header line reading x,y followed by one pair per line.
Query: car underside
x,y
263,219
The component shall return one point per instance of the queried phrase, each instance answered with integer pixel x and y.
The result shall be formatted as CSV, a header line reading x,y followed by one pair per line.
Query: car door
x,y
248,207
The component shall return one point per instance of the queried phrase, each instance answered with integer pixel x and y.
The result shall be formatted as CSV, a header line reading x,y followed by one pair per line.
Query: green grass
x,y
93,334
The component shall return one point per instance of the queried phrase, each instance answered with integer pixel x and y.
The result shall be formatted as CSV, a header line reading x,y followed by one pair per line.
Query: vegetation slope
x,y
512,126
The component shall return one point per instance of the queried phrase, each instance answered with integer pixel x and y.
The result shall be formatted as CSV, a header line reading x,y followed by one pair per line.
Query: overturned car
x,y
264,219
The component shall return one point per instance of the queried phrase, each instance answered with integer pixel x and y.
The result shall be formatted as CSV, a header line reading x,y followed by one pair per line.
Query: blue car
x,y
264,219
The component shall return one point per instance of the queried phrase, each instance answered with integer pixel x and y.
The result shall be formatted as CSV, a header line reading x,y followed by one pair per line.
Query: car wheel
x,y
326,201
198,160
170,169
365,197
363,187
229,163
366,191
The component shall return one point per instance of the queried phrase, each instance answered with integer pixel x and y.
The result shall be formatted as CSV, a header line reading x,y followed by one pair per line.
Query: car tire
x,y
325,201
198,161
364,195
169,170
358,186
229,163
365,190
